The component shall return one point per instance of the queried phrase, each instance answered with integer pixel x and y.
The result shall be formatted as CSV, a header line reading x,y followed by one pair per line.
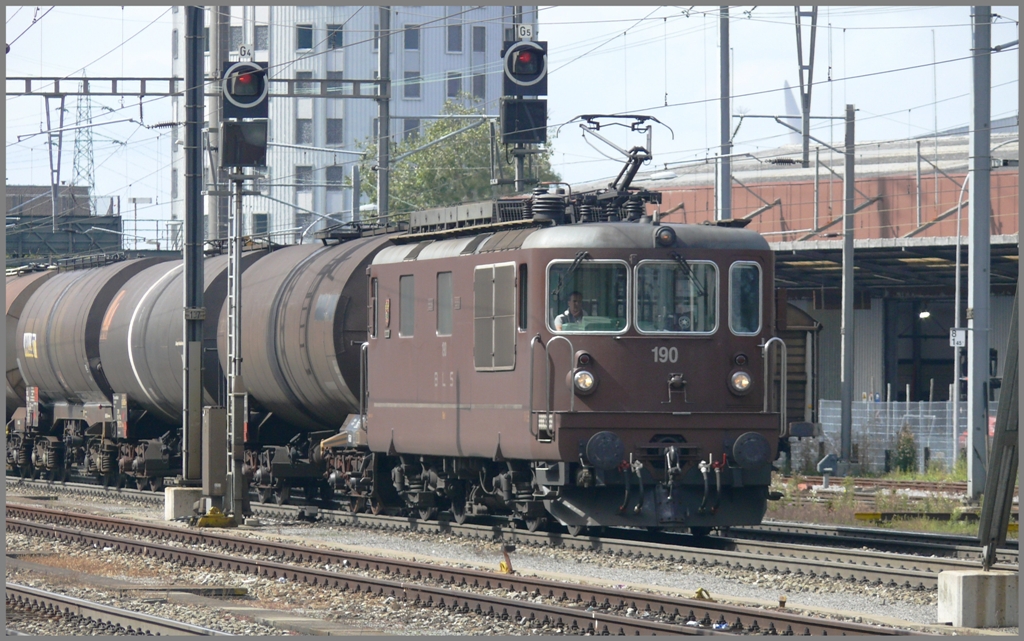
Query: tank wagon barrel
x,y
19,289
140,339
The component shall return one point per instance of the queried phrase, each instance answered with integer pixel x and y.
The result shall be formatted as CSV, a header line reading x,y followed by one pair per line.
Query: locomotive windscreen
x,y
671,299
587,297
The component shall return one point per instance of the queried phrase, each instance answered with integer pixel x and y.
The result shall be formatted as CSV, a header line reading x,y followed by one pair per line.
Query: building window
x,y
412,37
454,84
303,179
480,86
304,36
479,39
406,305
206,39
301,86
235,38
334,36
510,34
174,184
412,84
303,131
262,37
335,131
411,128
376,129
334,85
455,38
259,223
335,178
174,44
376,36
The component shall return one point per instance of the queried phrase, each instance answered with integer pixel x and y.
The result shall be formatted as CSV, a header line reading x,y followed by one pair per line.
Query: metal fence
x,y
876,428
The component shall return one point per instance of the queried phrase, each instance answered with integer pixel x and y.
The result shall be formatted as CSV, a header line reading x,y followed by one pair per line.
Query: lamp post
x,y
135,205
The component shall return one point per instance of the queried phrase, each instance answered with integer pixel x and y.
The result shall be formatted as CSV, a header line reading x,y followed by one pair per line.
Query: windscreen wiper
x,y
689,273
580,256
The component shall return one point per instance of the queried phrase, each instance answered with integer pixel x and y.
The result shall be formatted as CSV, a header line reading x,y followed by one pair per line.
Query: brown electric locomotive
x,y
605,373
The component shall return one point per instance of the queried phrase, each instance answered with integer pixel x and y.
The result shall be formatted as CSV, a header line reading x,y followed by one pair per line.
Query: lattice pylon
x,y
84,166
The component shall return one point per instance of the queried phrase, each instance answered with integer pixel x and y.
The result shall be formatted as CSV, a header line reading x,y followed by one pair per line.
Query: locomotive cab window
x,y
373,308
676,297
745,298
588,297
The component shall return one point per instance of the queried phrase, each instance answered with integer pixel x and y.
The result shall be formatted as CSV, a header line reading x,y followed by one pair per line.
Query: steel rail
x,y
660,608
923,543
126,620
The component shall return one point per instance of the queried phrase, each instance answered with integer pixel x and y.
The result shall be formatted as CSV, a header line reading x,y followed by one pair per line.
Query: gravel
x,y
722,583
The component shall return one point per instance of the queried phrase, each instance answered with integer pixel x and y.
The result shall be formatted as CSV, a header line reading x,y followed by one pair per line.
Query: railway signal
x,y
526,69
524,115
245,88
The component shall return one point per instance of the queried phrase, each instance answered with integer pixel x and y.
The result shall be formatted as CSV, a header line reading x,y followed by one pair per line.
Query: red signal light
x,y
525,57
245,78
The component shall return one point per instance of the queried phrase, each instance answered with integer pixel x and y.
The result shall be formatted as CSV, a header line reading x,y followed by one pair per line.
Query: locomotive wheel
x,y
264,494
459,512
428,513
574,530
282,494
535,523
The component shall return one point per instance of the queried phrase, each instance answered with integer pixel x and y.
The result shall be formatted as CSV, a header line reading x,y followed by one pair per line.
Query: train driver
x,y
572,315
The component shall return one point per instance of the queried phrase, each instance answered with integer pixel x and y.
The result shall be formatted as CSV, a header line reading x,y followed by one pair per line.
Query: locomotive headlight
x,y
584,382
740,382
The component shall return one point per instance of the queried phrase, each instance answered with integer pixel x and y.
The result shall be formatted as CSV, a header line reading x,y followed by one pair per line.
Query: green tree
x,y
455,170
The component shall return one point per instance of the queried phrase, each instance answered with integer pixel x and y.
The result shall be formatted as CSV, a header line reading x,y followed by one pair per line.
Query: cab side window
x,y
745,298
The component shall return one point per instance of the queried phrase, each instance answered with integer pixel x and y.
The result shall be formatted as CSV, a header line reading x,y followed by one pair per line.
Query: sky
x,y
653,60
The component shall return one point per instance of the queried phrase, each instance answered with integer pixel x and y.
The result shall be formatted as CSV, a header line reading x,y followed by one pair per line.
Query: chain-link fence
x,y
927,427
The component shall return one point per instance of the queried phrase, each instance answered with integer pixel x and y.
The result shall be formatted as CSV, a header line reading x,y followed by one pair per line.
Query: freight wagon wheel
x,y
700,531
141,482
536,522
282,494
428,513
459,512
264,494
108,480
574,530
325,492
156,484
356,504
62,475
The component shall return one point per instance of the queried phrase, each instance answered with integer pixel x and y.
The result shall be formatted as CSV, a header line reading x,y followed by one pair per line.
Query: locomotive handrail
x,y
547,388
364,371
529,415
782,380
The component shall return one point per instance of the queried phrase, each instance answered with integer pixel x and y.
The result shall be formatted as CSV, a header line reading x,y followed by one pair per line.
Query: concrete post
x,y
978,250
384,114
192,371
723,193
846,325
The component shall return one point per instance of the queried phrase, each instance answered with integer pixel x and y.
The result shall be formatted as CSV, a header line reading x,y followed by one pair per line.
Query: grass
x,y
841,508
937,472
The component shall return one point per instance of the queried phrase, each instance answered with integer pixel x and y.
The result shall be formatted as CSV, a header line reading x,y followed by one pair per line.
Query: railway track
x,y
824,551
900,541
26,601
589,608
948,487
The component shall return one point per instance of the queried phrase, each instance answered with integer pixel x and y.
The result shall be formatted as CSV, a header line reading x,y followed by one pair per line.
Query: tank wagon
x,y
554,357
